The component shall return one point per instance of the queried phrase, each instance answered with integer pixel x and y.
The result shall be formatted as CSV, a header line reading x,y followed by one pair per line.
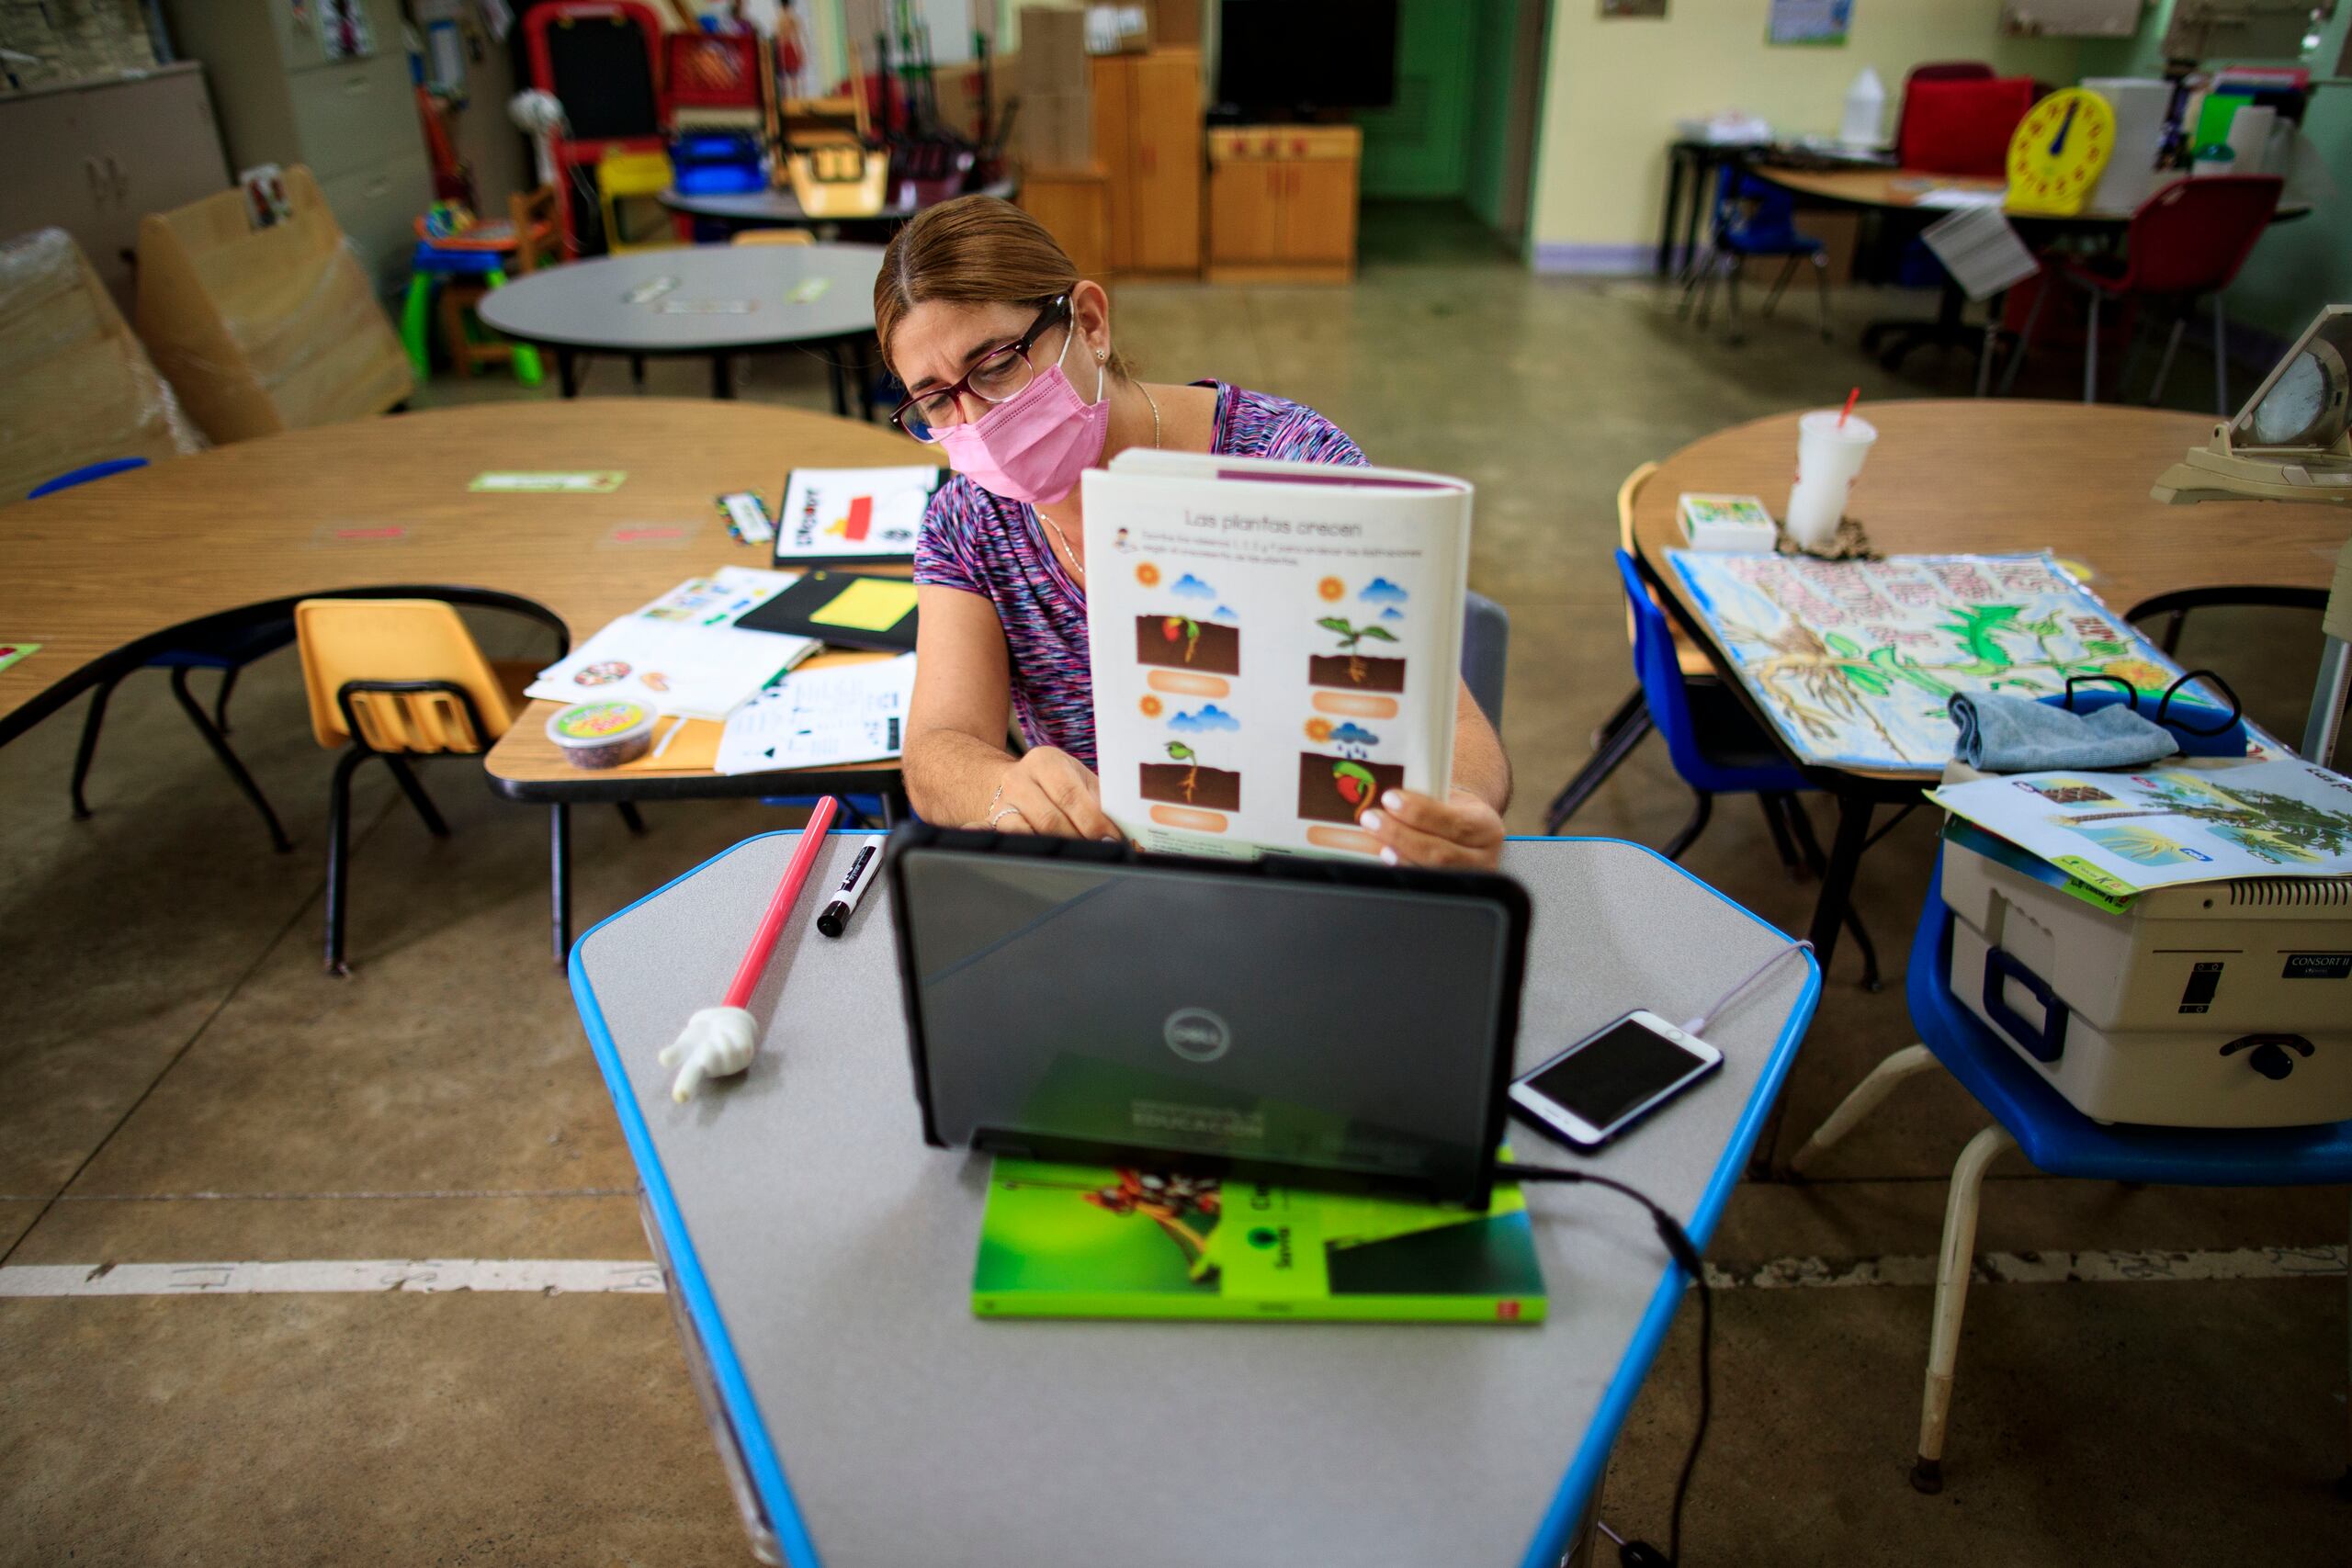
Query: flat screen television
x,y
1280,56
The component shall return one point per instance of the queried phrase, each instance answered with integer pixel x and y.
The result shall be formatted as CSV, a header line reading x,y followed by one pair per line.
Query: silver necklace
x,y
1075,564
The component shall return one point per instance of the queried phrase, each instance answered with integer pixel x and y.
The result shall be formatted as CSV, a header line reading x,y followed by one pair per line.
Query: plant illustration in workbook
x,y
1350,666
1183,779
1336,789
1194,635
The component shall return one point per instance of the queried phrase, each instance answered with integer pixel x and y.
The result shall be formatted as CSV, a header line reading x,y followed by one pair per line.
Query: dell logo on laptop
x,y
1197,1034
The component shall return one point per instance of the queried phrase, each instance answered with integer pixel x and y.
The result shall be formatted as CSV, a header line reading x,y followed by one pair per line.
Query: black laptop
x,y
1315,1021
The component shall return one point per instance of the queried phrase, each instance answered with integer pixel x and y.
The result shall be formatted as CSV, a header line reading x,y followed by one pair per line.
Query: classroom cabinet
x,y
1148,140
1283,203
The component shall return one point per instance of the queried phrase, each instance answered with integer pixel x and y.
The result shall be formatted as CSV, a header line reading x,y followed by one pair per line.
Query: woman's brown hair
x,y
975,250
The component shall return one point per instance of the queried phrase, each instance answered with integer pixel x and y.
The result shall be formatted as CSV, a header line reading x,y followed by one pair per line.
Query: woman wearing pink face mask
x,y
1006,356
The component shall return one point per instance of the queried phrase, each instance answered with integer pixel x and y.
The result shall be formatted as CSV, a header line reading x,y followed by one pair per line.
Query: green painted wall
x,y
2298,266
1490,63
1420,145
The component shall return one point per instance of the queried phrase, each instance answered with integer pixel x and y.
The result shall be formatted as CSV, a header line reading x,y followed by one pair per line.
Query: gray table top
x,y
822,1254
775,204
765,295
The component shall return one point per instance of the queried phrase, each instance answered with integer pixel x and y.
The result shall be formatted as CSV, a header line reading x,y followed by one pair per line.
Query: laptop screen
x,y
1100,1008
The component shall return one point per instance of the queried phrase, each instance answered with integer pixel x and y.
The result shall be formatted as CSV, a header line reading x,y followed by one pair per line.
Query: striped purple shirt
x,y
984,544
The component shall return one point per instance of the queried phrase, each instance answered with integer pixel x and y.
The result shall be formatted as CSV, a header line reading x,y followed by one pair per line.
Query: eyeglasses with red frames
x,y
1002,373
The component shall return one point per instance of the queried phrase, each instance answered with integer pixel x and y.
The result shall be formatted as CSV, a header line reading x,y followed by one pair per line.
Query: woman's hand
x,y
1458,832
1049,791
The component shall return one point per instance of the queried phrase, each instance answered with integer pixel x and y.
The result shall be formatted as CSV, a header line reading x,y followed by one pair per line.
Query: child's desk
x,y
819,1259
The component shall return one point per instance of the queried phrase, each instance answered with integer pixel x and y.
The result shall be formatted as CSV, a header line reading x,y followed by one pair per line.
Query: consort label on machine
x,y
2204,979
2318,967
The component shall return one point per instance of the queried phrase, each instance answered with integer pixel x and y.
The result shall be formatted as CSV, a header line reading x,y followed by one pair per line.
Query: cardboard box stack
x,y
1055,128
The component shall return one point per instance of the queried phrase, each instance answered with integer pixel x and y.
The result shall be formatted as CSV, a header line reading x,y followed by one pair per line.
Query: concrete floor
x,y
180,1083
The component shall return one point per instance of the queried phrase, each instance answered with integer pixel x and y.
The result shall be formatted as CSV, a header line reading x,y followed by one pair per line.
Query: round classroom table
x,y
717,300
1966,476
776,207
103,576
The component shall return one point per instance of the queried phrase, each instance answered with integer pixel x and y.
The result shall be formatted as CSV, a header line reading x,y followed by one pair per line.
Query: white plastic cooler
x,y
2222,1004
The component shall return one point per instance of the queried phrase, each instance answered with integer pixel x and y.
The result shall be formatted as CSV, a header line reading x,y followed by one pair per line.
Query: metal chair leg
x,y
87,750
1731,302
1802,825
1821,288
1951,1300
2173,624
628,815
560,880
221,697
2221,360
1619,739
339,855
2090,355
1700,280
1693,829
413,787
244,781
1864,1098
1772,802
1779,284
2043,285
2164,364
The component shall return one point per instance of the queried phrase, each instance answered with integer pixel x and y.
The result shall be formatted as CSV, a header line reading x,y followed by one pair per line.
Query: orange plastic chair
x,y
403,679
771,237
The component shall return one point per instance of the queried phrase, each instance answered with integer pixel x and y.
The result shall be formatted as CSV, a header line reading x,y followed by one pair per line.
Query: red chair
x,y
1961,126
1939,129
2186,241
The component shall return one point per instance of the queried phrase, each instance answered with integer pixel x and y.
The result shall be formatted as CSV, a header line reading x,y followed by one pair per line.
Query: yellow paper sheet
x,y
869,604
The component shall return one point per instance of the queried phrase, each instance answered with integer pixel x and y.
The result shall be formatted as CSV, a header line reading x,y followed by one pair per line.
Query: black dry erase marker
x,y
835,918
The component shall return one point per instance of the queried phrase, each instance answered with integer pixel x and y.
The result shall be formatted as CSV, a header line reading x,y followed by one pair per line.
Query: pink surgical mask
x,y
1033,445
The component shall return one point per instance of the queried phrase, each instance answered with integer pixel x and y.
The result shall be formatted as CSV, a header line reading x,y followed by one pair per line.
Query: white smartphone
x,y
1611,1078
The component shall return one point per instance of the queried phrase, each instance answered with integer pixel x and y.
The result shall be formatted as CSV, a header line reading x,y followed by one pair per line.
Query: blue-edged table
x,y
819,1257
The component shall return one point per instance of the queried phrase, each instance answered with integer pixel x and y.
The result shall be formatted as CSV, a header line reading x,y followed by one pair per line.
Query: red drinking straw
x,y
788,893
1851,399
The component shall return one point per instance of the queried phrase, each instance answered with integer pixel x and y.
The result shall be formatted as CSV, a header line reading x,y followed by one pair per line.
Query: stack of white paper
x,y
815,719
683,654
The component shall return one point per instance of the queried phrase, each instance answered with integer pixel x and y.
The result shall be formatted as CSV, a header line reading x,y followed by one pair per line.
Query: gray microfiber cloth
x,y
2004,734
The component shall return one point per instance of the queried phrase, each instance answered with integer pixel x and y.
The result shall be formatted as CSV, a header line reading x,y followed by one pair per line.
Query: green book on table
x,y
1099,1241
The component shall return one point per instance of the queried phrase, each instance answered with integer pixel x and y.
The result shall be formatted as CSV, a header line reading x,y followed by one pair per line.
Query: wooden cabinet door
x,y
1244,197
1115,149
1318,211
1166,169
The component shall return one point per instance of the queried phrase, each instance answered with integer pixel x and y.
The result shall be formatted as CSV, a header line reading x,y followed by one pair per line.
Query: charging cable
x,y
1698,1025
1678,1246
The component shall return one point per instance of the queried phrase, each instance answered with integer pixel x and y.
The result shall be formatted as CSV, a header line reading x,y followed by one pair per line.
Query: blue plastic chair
x,y
229,650
1718,748
1754,218
2034,1118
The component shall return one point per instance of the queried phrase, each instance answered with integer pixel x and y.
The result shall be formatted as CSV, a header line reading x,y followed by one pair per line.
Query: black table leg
x,y
722,376
1673,206
1837,880
1998,307
841,379
559,876
567,372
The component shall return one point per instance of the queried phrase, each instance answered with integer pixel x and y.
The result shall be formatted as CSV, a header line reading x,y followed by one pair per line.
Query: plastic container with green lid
x,y
603,734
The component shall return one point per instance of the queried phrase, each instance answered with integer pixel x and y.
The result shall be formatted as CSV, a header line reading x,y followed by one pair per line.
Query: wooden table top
x,y
383,502
1957,476
1902,188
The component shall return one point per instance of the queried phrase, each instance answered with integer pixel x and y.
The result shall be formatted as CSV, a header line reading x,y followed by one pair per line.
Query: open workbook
x,y
1274,644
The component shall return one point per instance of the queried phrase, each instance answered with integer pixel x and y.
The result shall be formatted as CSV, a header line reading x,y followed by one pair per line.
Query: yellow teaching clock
x,y
2058,152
